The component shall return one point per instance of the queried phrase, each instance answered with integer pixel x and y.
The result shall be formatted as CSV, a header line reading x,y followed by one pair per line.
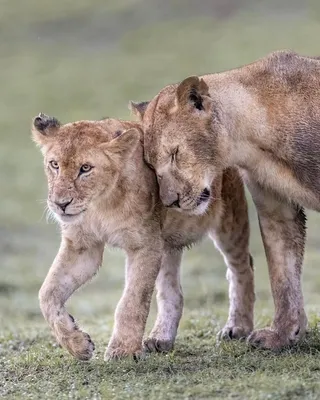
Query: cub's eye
x,y
85,168
174,155
54,164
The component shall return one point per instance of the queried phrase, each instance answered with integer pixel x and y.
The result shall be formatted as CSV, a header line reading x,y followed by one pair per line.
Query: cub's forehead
x,y
117,126
71,148
92,132
77,138
85,131
85,136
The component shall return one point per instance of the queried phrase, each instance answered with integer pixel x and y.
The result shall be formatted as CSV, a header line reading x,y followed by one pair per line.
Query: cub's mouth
x,y
70,216
64,216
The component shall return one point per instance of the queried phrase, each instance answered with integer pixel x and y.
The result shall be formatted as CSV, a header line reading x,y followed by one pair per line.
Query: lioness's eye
x,y
54,164
150,166
174,155
85,168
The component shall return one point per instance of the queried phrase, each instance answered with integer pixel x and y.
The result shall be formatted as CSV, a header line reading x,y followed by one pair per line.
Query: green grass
x,y
79,60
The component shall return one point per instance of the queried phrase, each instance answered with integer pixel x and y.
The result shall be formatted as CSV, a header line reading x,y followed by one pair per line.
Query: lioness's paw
x,y
153,345
119,353
268,338
79,344
230,332
118,349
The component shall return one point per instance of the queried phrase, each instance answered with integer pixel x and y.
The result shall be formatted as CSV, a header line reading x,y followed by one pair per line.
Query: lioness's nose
x,y
175,204
172,202
63,205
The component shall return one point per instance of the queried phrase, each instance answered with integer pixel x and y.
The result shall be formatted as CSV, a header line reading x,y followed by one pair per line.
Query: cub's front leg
x,y
142,267
72,267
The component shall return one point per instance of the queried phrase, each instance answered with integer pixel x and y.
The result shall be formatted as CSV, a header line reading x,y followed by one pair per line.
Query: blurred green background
x,y
85,60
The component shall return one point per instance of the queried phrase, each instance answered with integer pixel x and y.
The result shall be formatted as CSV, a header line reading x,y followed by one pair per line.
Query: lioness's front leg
x,y
233,243
169,303
142,267
71,268
283,232
241,294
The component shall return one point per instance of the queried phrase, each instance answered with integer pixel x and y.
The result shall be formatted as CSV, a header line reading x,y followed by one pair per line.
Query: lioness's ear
x,y
193,91
43,127
138,109
124,144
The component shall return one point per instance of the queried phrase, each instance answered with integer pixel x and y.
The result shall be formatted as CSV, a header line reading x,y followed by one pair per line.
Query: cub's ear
x,y
138,109
194,91
123,145
43,127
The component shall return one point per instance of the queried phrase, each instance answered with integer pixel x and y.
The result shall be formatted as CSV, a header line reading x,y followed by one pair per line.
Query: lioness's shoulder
x,y
284,62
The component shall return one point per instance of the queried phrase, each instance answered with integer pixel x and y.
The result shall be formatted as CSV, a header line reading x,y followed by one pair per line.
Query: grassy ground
x,y
84,59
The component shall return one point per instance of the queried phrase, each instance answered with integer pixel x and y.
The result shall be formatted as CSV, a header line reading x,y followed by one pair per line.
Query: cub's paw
x,y
154,345
79,344
230,332
270,339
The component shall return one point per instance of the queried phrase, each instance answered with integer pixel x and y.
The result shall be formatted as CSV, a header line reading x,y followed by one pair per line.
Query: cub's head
x,y
83,161
180,143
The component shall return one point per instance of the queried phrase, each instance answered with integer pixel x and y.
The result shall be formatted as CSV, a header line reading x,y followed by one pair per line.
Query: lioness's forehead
x,y
156,123
159,106
163,126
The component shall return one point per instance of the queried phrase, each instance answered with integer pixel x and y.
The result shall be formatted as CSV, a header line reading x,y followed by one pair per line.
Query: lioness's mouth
x,y
204,197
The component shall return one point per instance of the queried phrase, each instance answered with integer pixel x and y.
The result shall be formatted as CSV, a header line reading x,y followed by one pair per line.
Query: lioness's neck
x,y
253,137
243,120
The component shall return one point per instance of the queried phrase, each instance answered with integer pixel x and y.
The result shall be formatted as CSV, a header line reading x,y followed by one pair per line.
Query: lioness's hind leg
x,y
283,228
169,303
70,270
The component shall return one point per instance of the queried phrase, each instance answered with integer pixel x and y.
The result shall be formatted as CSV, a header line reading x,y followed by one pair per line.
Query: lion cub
x,y
101,191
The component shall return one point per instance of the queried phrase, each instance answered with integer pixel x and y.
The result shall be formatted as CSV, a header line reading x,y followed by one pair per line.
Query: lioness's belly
x,y
296,181
180,239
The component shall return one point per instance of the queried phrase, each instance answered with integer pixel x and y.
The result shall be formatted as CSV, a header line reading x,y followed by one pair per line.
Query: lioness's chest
x,y
181,230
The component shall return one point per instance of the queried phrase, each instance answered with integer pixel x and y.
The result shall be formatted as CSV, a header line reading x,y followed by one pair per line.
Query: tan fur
x,y
264,118
117,203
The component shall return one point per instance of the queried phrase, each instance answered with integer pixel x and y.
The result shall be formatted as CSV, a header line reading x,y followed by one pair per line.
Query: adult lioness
x,y
101,191
265,118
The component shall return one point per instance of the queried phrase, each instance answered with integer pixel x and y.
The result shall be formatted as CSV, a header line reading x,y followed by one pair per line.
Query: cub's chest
x,y
124,236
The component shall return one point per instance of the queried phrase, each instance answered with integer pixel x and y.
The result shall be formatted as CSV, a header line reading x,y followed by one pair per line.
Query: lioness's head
x,y
82,161
180,143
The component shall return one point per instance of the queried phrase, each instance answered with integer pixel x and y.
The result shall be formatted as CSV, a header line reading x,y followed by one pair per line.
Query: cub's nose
x,y
63,205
